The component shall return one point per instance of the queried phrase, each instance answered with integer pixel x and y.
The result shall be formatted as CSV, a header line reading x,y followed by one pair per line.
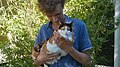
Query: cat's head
x,y
66,31
66,26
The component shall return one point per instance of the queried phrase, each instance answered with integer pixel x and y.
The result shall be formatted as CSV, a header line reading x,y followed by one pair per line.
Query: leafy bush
x,y
99,18
21,20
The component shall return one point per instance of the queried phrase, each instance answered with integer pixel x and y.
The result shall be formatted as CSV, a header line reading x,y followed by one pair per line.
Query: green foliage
x,y
20,22
3,38
99,18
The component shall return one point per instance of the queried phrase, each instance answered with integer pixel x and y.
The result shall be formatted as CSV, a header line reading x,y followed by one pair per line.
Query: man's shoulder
x,y
75,20
44,26
78,22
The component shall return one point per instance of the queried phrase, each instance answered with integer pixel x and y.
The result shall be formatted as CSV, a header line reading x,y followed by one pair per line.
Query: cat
x,y
66,31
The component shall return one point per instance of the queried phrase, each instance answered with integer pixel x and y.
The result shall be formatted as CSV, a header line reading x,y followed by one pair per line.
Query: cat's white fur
x,y
53,48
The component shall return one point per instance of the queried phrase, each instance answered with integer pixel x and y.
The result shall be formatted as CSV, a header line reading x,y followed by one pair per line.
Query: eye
x,y
57,14
63,28
68,28
49,16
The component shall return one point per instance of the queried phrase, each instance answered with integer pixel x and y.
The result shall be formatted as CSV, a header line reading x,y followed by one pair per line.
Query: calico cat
x,y
66,31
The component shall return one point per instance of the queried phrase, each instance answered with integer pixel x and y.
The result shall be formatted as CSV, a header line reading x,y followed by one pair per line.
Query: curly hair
x,y
49,5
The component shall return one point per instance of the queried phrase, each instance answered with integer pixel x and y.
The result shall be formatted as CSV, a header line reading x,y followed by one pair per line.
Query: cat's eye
x,y
63,28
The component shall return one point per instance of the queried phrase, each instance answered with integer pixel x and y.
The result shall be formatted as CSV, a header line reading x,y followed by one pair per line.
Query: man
x,y
77,50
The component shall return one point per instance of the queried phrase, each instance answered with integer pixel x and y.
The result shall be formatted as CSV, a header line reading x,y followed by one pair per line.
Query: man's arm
x,y
82,57
43,57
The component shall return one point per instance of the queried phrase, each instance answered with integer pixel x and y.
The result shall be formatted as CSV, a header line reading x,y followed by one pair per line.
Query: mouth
x,y
60,22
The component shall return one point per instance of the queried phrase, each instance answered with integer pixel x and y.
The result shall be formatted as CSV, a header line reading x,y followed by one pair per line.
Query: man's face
x,y
57,15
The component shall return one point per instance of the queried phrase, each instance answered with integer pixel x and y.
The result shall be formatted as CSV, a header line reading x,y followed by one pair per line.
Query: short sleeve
x,y
39,37
43,34
85,43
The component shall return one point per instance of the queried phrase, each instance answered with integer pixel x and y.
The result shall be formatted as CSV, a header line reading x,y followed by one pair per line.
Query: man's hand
x,y
63,43
43,57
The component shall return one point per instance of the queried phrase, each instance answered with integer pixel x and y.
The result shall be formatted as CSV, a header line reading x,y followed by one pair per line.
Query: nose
x,y
55,19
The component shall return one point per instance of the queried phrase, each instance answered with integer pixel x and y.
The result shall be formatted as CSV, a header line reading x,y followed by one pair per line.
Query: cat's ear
x,y
71,26
61,25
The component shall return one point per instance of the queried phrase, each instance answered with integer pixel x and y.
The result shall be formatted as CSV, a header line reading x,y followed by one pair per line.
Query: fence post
x,y
117,34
